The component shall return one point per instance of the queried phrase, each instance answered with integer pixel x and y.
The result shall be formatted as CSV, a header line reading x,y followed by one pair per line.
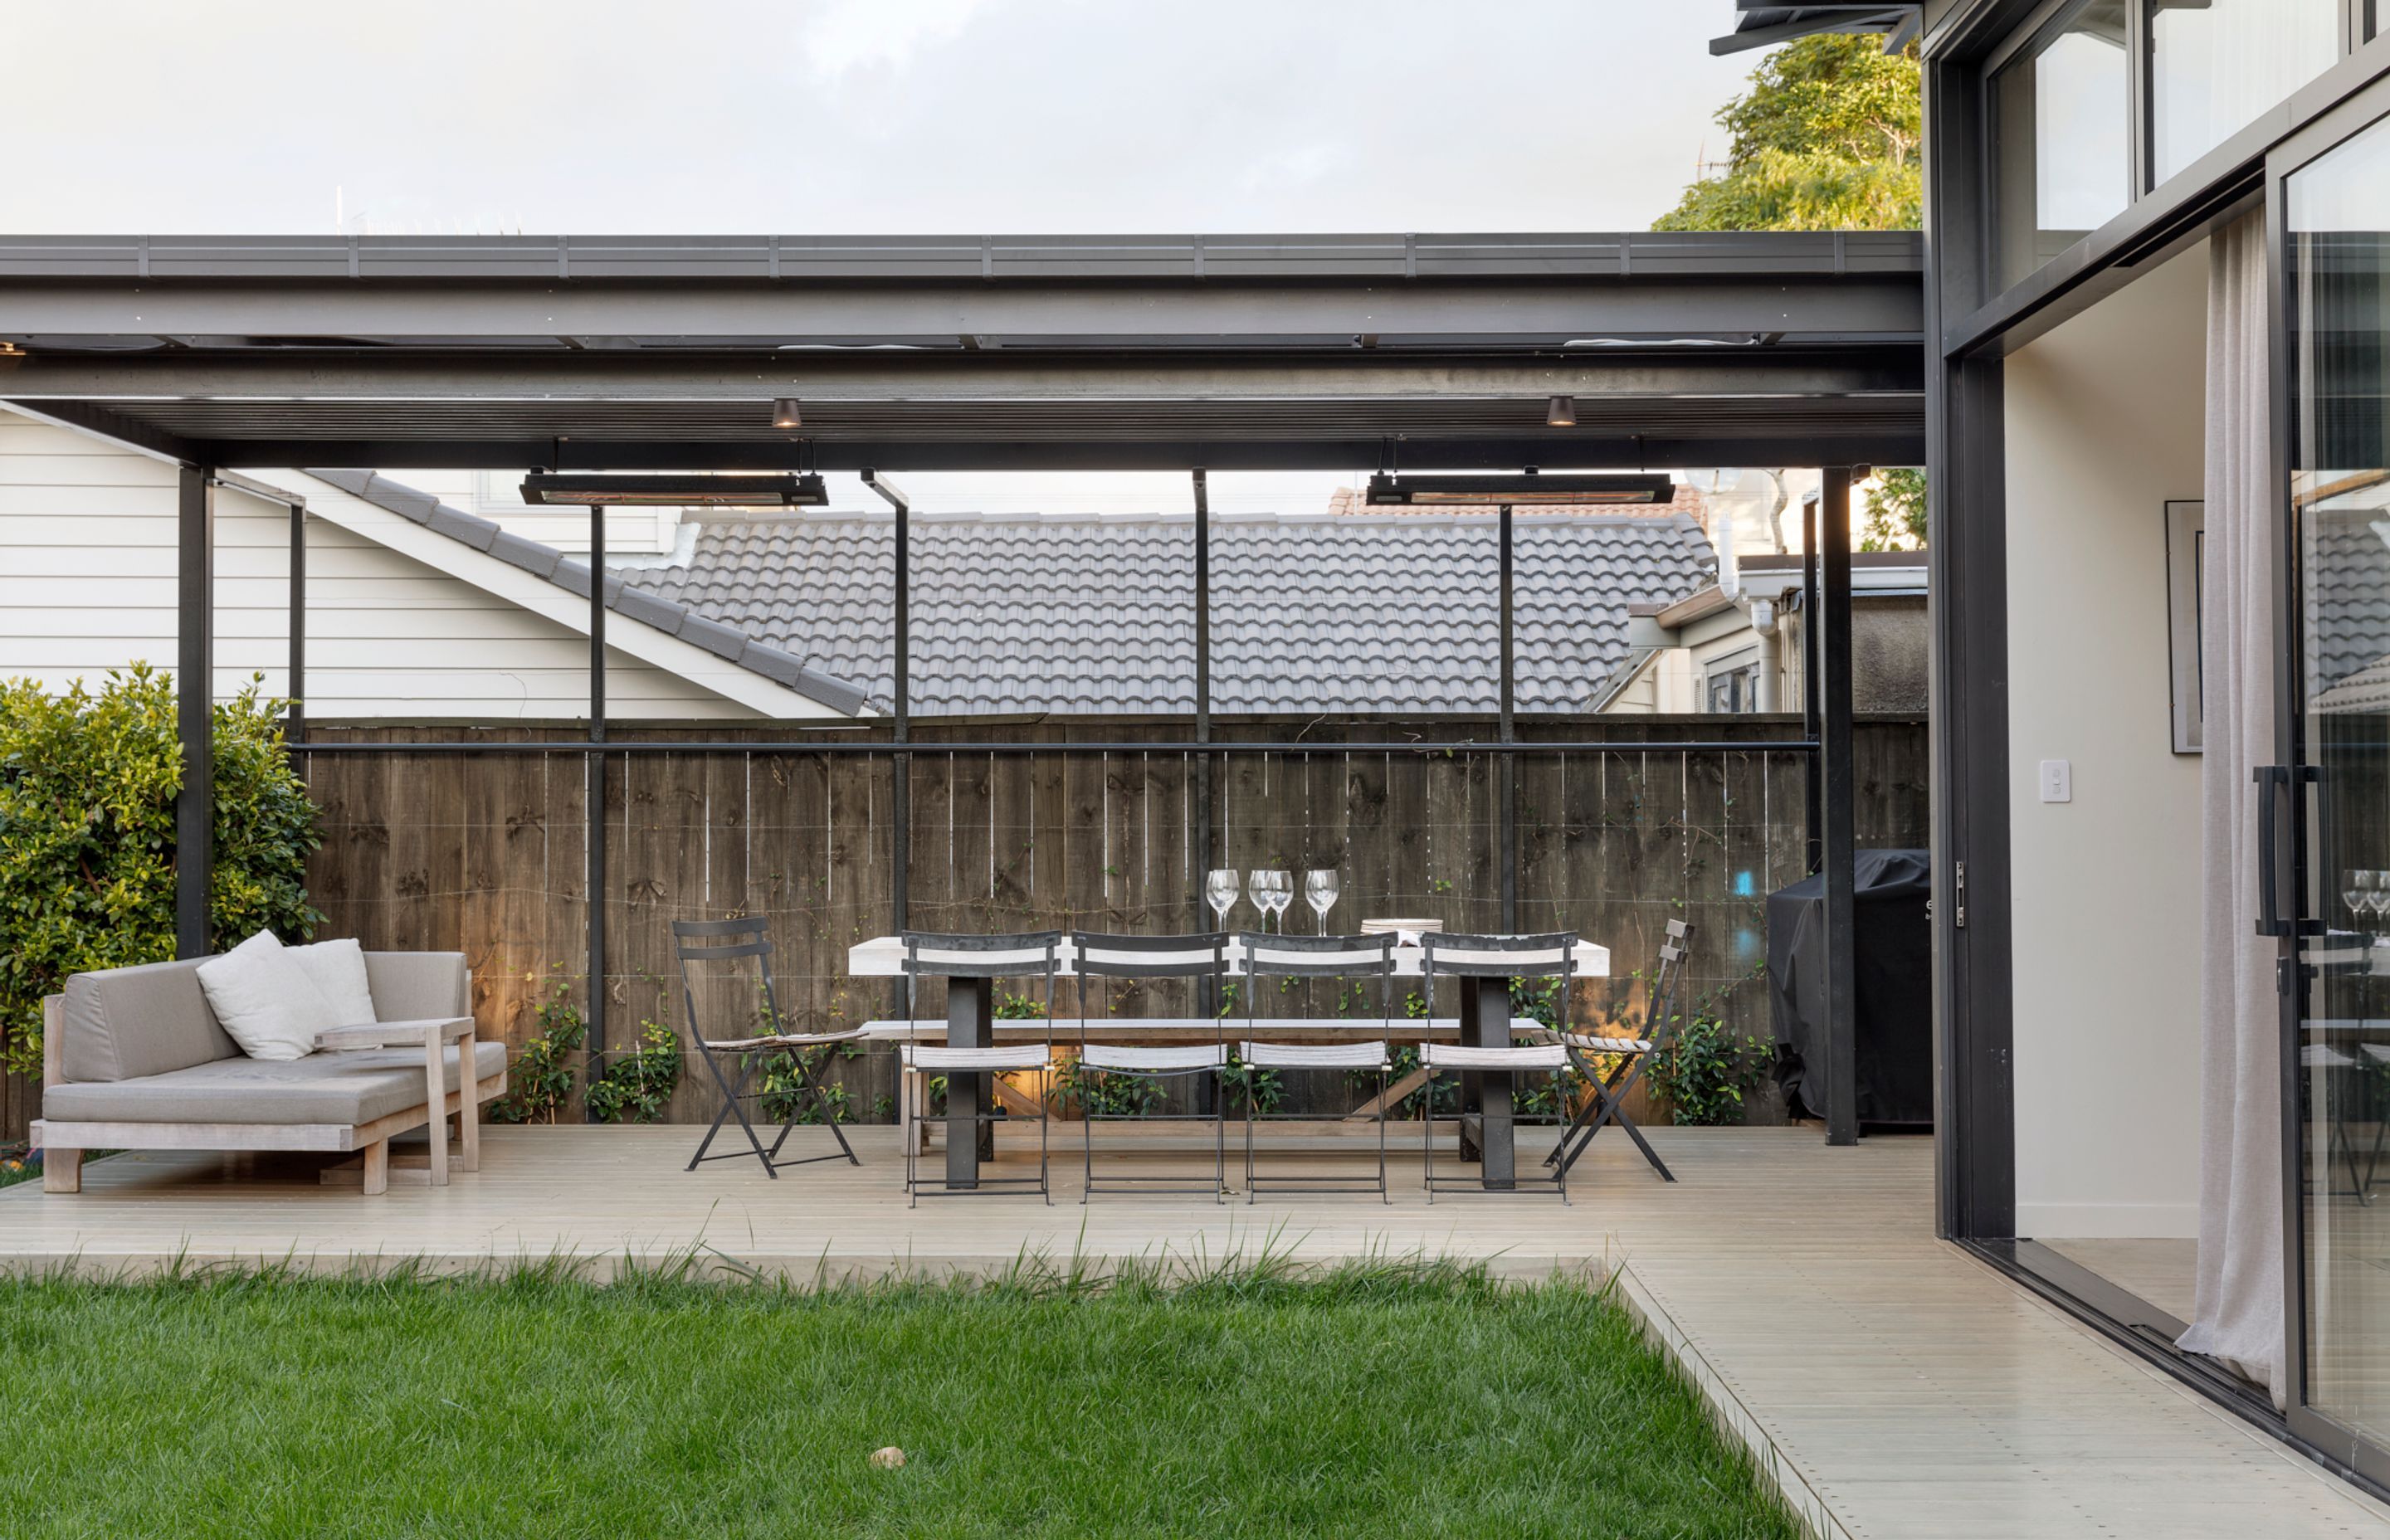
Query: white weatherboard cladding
x,y
87,583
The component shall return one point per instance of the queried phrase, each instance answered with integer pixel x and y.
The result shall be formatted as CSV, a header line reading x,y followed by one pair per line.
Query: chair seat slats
x,y
925,1056
1105,1055
782,1040
1315,1055
1462,1056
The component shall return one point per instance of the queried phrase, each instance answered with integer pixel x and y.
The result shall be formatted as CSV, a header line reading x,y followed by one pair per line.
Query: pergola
x,y
991,352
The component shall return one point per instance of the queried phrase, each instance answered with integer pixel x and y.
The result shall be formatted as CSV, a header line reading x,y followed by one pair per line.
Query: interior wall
x,y
2105,426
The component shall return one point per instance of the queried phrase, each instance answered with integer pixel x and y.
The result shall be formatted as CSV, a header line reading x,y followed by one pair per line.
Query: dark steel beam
x,y
700,261
1510,368
597,795
1813,851
1877,292
294,727
901,696
195,803
1837,804
835,747
1507,766
1340,451
1203,805
106,421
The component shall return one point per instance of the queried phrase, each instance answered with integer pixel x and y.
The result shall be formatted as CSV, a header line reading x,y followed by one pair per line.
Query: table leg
x,y
970,1024
1485,1021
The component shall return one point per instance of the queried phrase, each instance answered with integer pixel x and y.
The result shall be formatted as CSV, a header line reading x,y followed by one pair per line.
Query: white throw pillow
x,y
266,1001
337,969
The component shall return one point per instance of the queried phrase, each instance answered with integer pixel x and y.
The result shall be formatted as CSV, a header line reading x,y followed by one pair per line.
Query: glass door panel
x,y
2337,277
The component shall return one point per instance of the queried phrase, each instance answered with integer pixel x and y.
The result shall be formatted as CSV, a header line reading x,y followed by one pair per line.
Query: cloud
x,y
841,36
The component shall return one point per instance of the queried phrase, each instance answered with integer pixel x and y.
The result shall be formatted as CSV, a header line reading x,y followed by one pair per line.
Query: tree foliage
x,y
1895,511
1829,137
87,787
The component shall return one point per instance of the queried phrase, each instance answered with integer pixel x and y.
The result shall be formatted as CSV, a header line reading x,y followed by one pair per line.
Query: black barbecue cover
x,y
1895,979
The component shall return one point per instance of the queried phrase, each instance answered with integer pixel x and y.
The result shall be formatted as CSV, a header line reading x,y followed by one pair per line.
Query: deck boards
x,y
1901,1387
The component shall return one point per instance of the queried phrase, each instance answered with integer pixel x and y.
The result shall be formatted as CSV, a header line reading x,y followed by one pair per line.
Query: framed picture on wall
x,y
2185,546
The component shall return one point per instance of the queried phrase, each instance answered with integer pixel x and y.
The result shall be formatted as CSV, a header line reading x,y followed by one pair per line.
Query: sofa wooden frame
x,y
62,1143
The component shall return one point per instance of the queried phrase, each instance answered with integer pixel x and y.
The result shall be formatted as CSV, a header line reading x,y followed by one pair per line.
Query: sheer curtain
x,y
2238,1314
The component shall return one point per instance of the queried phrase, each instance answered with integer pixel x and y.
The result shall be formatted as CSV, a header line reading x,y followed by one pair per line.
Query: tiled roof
x,y
2347,599
1023,614
782,667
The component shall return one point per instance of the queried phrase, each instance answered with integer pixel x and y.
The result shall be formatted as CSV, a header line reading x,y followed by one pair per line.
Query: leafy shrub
x,y
785,1074
1704,1071
541,1076
638,1085
87,787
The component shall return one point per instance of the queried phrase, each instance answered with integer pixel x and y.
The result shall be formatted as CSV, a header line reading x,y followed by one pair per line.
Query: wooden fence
x,y
486,853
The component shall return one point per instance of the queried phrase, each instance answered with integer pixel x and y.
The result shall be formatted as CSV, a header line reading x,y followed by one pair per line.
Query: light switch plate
x,y
2057,780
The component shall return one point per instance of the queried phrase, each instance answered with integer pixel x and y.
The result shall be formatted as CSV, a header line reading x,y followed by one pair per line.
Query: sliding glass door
x,y
2331,210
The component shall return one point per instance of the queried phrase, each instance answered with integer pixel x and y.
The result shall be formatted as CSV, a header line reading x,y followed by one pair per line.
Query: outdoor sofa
x,y
134,1058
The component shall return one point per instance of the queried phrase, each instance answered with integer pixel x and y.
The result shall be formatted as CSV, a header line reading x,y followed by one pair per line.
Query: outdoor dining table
x,y
1485,1021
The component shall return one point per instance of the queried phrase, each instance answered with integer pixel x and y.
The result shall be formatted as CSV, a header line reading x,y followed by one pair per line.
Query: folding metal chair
x,y
1195,956
929,954
724,940
1629,1057
1269,957
1548,955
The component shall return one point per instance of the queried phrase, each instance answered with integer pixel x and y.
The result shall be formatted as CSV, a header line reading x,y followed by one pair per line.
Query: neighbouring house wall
x,y
87,565
2103,417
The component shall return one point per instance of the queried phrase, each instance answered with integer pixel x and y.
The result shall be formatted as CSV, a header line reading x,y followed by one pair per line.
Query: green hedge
x,y
87,787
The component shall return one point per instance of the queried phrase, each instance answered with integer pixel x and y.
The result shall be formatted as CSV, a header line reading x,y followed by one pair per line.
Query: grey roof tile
x,y
1017,615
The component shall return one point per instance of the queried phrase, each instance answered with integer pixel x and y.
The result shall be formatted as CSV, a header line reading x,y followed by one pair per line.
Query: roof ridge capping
x,y
546,562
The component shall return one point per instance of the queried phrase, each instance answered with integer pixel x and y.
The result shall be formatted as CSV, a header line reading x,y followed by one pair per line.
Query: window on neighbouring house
x,y
1732,691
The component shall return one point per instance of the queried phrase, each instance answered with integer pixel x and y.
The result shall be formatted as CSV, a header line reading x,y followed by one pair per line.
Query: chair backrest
x,y
1269,957
1200,956
937,955
1317,956
702,941
932,955
1659,1015
1552,955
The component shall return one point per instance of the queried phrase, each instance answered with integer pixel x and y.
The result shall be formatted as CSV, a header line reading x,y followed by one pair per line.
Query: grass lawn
x,y
1379,1400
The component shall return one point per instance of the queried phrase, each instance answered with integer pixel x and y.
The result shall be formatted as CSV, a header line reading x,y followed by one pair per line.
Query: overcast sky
x,y
840,116
794,116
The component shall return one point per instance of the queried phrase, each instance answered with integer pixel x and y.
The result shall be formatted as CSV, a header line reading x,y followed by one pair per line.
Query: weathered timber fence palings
x,y
485,854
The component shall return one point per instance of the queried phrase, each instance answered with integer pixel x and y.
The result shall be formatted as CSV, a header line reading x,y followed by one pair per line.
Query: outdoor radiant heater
x,y
544,488
1523,491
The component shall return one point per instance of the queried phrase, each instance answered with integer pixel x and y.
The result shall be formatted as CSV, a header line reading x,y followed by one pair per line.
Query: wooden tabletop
x,y
1202,1029
884,958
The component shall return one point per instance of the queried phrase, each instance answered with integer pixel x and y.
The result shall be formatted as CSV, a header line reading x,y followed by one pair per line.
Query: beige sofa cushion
x,y
347,1088
419,986
129,1022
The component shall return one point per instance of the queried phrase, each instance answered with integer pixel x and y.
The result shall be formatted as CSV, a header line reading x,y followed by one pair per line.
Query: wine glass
x,y
2378,899
1321,887
1272,891
1220,892
2359,893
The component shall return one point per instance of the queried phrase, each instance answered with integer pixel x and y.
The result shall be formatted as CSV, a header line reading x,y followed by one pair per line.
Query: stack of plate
x,y
1409,930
